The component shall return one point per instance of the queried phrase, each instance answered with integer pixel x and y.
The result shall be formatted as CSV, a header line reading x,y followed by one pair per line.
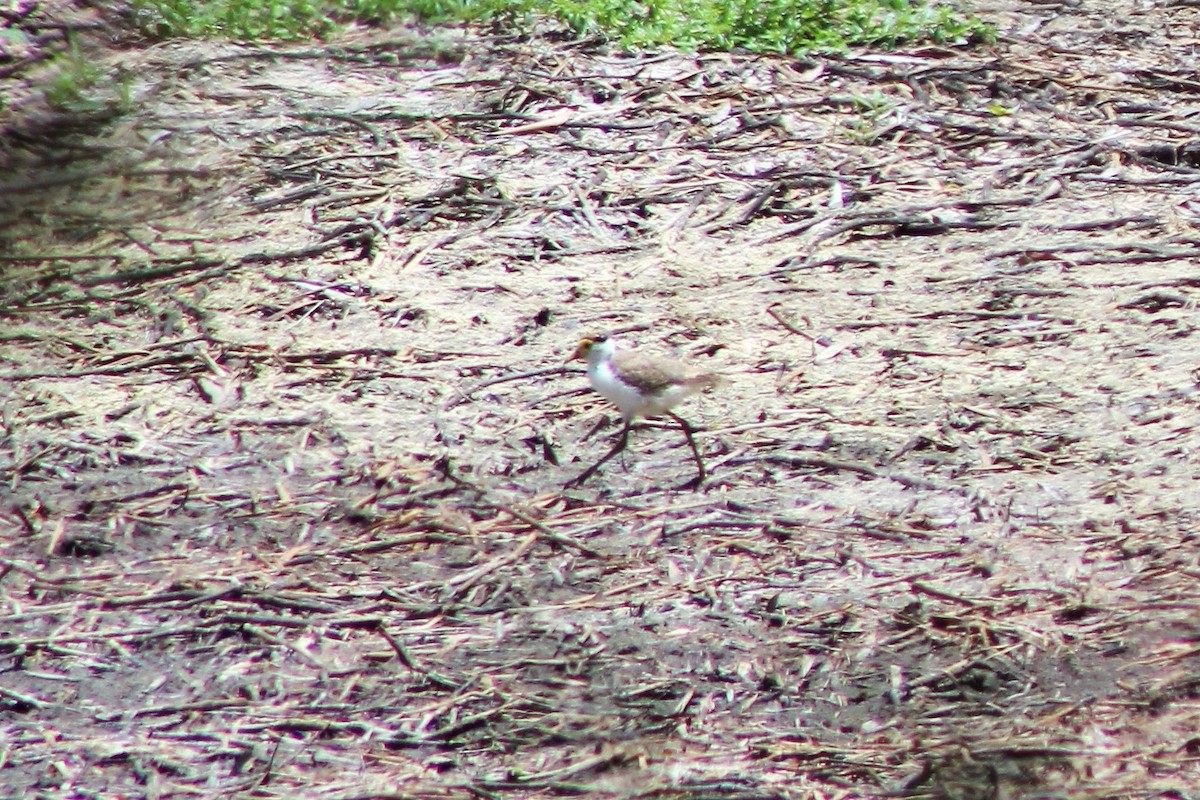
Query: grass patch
x,y
239,19
761,26
873,114
77,85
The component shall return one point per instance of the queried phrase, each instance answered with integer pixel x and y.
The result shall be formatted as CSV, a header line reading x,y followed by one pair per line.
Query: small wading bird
x,y
641,386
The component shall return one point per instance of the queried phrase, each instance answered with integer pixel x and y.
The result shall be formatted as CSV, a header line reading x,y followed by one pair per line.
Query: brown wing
x,y
651,374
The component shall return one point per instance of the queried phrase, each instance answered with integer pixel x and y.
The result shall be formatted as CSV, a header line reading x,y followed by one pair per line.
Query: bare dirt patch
x,y
286,421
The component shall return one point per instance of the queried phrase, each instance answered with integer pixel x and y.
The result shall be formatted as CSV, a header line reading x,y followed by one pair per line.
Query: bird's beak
x,y
579,352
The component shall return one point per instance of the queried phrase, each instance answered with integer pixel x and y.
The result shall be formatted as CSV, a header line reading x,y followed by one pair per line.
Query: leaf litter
x,y
287,419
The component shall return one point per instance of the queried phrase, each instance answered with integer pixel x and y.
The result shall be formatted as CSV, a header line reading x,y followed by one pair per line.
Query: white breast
x,y
622,395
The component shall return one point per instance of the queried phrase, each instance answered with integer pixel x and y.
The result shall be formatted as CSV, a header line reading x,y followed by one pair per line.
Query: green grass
x,y
77,85
239,19
873,113
761,26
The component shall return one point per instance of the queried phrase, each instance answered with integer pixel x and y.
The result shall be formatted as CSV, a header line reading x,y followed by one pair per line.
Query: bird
x,y
641,385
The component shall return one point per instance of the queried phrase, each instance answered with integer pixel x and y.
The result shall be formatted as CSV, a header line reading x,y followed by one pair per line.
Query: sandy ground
x,y
287,419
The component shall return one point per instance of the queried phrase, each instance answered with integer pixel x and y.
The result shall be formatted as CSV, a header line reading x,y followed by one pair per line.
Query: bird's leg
x,y
701,473
618,447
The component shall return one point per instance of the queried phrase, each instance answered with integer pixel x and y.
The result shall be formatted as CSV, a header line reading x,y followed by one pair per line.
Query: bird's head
x,y
592,348
583,348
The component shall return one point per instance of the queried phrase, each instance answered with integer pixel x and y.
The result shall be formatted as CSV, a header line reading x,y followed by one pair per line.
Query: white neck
x,y
601,352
